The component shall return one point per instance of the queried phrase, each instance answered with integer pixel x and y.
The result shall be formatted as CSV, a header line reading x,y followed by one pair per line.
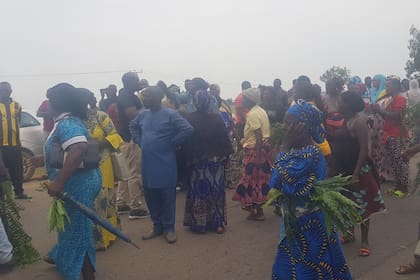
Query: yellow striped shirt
x,y
9,124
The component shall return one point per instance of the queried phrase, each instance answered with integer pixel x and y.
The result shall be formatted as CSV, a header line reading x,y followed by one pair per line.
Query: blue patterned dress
x,y
205,206
314,254
76,242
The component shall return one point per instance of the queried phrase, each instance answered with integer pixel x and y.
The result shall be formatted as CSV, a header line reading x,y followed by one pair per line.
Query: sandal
x,y
48,260
259,218
364,252
220,230
407,269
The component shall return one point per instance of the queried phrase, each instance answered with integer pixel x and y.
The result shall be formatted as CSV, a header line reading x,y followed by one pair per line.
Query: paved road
x,y
246,251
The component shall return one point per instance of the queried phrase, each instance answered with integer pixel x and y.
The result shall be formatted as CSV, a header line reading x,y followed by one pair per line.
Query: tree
x,y
413,63
342,72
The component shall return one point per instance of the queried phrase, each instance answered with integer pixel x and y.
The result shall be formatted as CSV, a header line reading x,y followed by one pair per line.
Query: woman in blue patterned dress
x,y
74,253
207,152
313,253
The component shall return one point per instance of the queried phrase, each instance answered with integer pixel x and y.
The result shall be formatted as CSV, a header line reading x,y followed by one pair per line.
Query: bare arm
x,y
258,145
360,130
410,152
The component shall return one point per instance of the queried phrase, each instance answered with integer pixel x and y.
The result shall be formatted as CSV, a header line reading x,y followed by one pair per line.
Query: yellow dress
x,y
101,128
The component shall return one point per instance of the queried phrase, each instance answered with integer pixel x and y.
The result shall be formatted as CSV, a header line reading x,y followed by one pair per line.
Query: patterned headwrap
x,y
311,117
202,100
357,84
355,80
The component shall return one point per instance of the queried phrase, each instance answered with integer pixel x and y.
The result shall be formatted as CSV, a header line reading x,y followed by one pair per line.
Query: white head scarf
x,y
414,92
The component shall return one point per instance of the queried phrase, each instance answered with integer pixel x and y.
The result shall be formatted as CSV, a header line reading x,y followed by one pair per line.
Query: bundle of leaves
x,y
23,251
57,215
411,116
339,211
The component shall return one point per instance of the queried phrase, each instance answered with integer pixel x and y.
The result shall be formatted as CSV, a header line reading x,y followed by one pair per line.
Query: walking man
x,y
10,146
158,131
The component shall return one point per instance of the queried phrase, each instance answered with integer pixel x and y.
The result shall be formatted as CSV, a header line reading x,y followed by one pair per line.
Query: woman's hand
x,y
37,161
55,188
407,155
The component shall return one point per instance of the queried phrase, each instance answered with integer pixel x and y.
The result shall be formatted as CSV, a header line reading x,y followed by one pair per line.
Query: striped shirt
x,y
9,124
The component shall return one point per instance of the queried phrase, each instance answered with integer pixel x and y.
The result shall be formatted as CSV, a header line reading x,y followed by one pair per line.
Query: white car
x,y
32,143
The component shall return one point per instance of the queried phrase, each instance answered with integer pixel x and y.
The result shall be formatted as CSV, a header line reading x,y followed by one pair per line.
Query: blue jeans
x,y
5,246
161,204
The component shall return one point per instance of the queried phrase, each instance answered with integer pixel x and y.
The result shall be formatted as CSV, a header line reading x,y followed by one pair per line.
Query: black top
x,y
345,153
125,101
210,138
105,103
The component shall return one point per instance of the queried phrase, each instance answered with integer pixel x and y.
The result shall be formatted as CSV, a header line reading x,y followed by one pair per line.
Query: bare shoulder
x,y
359,121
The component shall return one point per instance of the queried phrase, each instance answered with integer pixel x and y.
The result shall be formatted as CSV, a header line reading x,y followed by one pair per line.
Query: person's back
x,y
256,118
210,136
126,100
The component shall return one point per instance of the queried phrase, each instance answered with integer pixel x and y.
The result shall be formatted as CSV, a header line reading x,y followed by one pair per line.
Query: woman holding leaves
x,y
307,250
74,253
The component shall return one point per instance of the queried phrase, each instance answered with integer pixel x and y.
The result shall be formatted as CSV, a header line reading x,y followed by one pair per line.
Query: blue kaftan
x,y
76,242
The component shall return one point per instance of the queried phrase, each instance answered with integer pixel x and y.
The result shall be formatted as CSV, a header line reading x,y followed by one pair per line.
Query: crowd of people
x,y
196,142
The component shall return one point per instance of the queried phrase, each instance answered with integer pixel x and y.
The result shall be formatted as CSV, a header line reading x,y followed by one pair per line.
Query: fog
x,y
222,41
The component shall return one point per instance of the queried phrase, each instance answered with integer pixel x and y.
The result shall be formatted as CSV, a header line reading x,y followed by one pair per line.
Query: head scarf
x,y
252,94
414,86
202,100
311,117
379,93
414,92
355,80
393,77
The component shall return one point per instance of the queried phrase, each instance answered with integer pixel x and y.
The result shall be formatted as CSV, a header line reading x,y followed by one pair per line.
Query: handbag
x,y
120,166
91,158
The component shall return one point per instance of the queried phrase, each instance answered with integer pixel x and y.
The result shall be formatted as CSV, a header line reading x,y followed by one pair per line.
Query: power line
x,y
65,74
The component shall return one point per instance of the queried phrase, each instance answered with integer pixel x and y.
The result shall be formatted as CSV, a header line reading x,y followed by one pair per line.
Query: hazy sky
x,y
222,41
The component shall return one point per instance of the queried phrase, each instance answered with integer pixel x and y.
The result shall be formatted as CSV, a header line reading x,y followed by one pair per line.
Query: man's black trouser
x,y
12,157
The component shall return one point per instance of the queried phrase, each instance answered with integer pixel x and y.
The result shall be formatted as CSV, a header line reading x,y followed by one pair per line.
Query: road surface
x,y
245,252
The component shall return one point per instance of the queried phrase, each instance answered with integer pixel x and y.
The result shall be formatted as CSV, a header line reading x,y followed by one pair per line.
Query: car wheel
x,y
28,168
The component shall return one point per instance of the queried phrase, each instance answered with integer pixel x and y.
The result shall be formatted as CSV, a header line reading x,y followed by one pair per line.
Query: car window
x,y
27,120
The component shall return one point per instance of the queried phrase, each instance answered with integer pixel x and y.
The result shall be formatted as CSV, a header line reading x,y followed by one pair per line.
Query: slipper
x,y
48,260
259,218
364,252
407,269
